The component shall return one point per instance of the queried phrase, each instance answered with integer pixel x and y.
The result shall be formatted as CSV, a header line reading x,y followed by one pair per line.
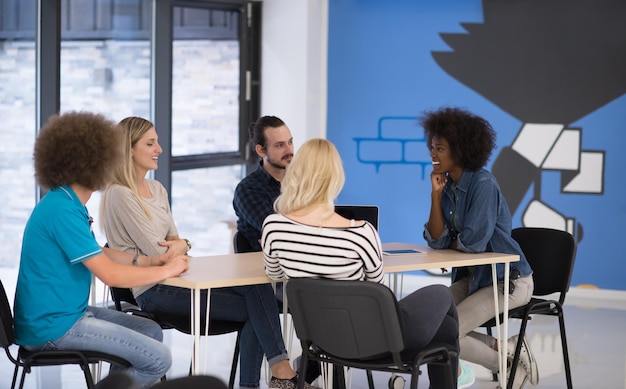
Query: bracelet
x,y
134,263
188,244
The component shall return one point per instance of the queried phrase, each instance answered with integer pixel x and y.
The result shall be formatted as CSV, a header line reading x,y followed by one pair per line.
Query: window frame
x,y
48,94
249,84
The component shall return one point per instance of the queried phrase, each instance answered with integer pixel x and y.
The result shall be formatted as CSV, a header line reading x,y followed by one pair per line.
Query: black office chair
x,y
242,245
125,302
192,382
118,380
124,381
551,254
28,359
356,324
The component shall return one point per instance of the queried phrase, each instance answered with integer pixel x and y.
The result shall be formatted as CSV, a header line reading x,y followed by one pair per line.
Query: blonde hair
x,y
134,129
314,177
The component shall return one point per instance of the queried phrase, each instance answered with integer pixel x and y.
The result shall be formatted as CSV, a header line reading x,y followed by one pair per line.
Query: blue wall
x,y
383,72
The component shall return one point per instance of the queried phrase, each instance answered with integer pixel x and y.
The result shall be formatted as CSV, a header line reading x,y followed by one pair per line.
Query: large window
x,y
209,106
191,67
17,110
104,60
191,77
106,57
201,204
205,74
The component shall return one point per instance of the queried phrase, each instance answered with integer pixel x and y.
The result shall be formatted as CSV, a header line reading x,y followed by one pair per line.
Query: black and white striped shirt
x,y
292,249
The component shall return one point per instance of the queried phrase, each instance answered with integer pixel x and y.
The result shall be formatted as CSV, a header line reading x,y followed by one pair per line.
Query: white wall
x,y
293,60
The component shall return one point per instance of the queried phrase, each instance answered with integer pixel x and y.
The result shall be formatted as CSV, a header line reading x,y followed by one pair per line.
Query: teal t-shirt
x,y
53,284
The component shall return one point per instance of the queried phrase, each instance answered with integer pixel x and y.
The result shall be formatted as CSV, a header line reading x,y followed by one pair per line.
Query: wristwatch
x,y
188,244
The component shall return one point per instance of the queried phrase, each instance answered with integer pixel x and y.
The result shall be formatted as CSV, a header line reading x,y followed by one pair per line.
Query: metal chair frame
x,y
125,302
26,360
356,324
551,254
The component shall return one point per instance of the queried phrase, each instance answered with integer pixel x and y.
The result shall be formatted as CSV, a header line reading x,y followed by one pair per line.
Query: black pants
x,y
429,316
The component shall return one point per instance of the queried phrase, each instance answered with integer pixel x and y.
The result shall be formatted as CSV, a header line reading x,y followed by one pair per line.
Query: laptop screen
x,y
359,212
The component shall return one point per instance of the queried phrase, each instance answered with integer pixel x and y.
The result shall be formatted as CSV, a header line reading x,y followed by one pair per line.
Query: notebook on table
x,y
359,212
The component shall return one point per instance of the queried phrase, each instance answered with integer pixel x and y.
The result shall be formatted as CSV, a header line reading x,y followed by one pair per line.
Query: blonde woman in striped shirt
x,y
306,238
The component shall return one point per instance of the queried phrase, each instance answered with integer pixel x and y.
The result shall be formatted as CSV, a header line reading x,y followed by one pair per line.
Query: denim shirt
x,y
477,216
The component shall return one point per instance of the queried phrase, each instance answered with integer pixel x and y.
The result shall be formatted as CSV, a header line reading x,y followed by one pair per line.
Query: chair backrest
x,y
551,253
346,319
121,296
241,244
7,336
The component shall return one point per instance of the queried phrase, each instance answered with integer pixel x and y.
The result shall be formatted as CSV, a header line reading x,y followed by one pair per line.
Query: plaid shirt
x,y
253,202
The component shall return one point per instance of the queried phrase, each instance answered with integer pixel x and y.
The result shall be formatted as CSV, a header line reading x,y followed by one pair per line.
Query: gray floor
x,y
595,323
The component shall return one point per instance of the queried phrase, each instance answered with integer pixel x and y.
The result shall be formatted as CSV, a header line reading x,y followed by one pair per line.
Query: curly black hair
x,y
471,138
77,148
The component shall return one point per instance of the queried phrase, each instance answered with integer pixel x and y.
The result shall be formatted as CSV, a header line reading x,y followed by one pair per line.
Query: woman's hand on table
x,y
175,246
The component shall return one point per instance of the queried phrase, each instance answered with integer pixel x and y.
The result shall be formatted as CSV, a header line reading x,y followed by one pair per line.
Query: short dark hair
x,y
257,129
76,148
471,138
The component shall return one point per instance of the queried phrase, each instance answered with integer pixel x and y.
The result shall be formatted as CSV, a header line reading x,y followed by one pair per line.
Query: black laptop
x,y
359,212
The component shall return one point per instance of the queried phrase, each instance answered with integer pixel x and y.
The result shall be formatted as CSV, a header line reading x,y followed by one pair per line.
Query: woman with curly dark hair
x,y
75,154
469,213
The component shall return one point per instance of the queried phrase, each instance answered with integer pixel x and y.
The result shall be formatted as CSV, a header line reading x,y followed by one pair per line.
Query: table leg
x,y
195,324
195,328
502,336
206,327
505,324
285,308
287,329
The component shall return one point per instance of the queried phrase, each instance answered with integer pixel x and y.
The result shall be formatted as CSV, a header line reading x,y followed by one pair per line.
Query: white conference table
x,y
220,271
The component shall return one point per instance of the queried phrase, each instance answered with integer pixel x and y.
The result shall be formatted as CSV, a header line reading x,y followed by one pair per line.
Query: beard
x,y
279,164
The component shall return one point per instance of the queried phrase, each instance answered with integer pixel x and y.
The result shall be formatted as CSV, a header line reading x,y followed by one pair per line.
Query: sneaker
x,y
526,358
467,377
288,383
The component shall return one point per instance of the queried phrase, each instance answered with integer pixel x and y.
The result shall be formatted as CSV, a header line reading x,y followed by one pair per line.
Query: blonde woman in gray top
x,y
136,218
307,238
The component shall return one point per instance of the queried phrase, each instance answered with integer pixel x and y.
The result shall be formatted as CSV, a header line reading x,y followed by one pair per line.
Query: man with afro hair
x,y
74,156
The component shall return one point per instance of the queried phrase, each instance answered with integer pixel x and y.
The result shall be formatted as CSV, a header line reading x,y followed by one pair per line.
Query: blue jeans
x,y
134,338
254,305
